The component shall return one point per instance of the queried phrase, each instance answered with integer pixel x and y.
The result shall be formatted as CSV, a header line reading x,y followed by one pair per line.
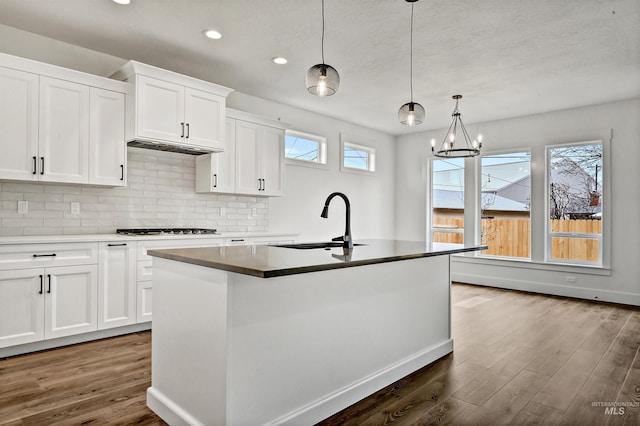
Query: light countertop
x,y
273,261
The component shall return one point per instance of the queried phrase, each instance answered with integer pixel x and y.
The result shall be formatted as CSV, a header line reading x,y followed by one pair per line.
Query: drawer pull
x,y
45,255
49,278
237,241
116,245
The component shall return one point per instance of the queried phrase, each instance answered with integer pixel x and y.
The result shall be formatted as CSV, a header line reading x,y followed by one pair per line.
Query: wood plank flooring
x,y
519,359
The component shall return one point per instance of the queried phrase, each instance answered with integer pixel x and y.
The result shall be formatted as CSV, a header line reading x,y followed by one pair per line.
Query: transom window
x,y
305,148
358,157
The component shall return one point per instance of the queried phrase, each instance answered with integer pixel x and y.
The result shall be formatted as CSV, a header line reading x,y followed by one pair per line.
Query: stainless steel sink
x,y
307,246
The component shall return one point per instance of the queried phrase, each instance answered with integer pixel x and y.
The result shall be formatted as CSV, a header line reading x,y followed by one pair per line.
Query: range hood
x,y
168,147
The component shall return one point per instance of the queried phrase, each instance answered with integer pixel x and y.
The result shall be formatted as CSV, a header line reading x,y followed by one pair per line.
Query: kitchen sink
x,y
307,246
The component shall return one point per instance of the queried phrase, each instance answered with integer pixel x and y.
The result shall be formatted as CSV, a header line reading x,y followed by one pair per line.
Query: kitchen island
x,y
277,335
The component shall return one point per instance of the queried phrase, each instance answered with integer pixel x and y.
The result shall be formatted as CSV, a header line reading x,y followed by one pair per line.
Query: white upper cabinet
x,y
63,131
173,110
217,172
252,164
160,110
259,159
107,149
18,124
60,125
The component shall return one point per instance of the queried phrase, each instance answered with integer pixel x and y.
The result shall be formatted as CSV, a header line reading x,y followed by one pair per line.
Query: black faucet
x,y
348,241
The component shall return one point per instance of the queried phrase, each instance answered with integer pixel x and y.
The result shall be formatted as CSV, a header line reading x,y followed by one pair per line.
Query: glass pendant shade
x,y
322,80
411,114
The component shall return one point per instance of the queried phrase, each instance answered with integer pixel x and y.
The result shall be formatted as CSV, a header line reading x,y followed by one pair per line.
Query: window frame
x,y
549,234
371,157
322,162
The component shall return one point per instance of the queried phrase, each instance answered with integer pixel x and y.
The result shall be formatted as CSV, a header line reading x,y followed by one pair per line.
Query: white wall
x,y
620,283
306,188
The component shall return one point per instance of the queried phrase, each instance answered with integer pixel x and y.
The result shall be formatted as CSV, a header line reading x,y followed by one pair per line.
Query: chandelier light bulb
x,y
480,138
321,89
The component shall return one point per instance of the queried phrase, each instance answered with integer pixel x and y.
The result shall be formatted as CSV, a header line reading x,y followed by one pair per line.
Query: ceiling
x,y
507,58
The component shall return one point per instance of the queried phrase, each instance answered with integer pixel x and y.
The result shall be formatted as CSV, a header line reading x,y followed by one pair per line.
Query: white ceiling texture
x,y
506,57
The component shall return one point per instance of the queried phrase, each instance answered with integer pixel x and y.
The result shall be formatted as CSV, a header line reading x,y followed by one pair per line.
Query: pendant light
x,y
449,149
411,113
322,79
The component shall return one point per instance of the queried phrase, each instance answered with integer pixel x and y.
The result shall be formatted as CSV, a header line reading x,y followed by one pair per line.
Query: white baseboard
x,y
546,288
168,410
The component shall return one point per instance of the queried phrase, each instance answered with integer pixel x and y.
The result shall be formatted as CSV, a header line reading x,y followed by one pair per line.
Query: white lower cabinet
x,y
45,303
116,284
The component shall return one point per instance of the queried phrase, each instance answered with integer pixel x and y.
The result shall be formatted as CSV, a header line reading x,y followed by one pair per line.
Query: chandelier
x,y
454,145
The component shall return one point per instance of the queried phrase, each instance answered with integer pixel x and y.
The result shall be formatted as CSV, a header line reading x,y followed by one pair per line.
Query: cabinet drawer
x,y
22,256
145,270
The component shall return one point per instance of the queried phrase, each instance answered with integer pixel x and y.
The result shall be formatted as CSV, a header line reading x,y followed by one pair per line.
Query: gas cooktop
x,y
166,231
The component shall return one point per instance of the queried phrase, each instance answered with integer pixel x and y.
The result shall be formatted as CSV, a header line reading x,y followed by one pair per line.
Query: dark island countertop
x,y
272,261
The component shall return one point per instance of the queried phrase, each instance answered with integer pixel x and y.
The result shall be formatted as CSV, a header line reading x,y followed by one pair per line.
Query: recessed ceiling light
x,y
279,60
122,1
212,34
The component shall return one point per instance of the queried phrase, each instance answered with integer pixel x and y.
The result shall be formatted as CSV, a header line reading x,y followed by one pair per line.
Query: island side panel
x,y
305,346
189,340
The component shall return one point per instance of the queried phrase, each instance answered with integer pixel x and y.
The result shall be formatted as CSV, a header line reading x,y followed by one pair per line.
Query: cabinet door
x,y
70,300
204,119
63,131
248,161
21,307
160,110
18,124
116,285
144,301
272,156
107,148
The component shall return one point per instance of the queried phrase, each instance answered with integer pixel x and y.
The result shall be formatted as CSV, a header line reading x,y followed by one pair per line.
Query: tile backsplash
x,y
160,192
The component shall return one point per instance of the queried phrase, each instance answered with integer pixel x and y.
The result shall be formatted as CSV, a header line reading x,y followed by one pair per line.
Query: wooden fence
x,y
511,237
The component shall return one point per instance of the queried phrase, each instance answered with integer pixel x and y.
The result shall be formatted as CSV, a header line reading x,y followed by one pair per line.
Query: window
x,y
447,195
305,149
574,208
506,204
358,157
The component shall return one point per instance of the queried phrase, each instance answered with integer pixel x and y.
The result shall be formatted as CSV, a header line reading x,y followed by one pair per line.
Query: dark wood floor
x,y
519,359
